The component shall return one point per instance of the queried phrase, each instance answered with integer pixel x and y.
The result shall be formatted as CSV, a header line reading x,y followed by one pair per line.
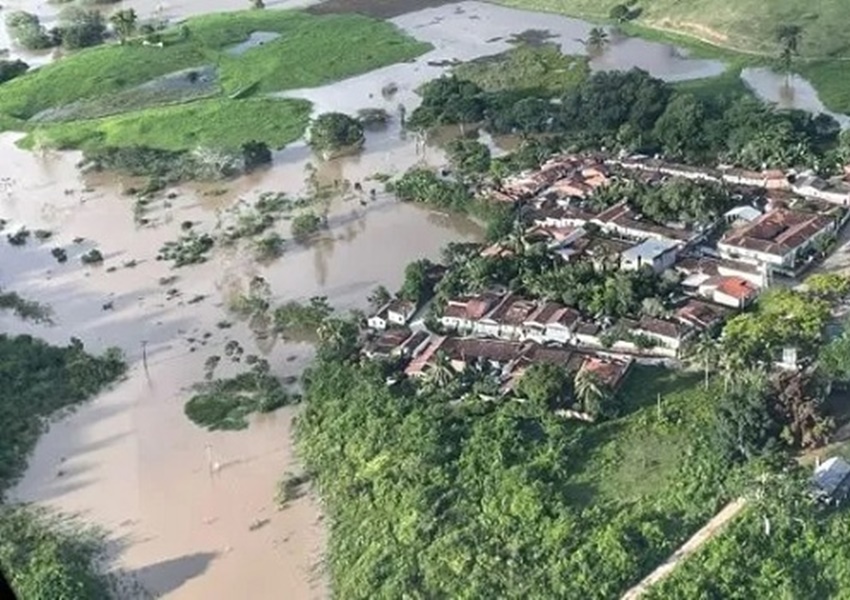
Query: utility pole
x,y
145,357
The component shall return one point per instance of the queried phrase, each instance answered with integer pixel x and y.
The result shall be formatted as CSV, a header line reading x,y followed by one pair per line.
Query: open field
x,y
217,123
526,68
746,25
309,51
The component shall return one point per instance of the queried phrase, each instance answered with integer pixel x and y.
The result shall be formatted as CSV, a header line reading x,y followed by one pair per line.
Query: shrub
x,y
79,28
9,69
27,31
335,131
305,225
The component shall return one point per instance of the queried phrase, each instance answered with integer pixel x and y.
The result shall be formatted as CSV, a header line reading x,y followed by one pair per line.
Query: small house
x,y
400,311
658,255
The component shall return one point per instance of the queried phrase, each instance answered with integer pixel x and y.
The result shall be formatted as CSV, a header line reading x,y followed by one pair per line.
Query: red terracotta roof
x,y
737,287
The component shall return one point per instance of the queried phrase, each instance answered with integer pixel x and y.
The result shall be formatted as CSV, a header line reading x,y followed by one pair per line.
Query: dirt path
x,y
712,528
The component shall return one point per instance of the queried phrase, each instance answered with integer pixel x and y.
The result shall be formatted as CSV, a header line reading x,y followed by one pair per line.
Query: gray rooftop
x,y
649,249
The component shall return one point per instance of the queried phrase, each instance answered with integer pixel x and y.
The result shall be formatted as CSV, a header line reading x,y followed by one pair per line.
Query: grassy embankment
x,y
741,32
310,51
500,500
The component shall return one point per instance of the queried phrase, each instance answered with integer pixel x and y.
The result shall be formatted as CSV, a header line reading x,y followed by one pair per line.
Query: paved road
x,y
712,528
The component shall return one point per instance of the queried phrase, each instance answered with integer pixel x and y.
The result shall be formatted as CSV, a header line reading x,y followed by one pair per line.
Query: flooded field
x,y
193,511
185,502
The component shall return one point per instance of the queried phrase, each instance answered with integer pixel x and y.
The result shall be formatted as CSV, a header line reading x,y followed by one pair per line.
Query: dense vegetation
x,y
45,556
37,380
226,403
784,547
634,112
50,556
310,51
530,68
332,132
479,499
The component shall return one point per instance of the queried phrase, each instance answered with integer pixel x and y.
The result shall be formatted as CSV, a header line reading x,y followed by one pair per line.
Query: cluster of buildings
x,y
799,213
721,266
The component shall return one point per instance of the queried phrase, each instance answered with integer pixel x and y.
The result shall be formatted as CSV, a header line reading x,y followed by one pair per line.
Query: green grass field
x,y
217,123
526,67
310,51
748,25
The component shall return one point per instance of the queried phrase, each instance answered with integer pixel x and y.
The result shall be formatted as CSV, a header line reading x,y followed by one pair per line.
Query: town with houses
x,y
782,223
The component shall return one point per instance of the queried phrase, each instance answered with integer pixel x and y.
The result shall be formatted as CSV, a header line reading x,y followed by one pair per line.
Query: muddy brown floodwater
x,y
193,510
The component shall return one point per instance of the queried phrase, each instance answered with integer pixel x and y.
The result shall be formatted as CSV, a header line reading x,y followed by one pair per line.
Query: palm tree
x,y
596,41
441,372
706,351
591,394
788,35
732,363
124,22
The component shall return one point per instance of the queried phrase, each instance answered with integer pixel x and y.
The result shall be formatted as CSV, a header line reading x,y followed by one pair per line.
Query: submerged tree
x,y
335,131
124,23
597,40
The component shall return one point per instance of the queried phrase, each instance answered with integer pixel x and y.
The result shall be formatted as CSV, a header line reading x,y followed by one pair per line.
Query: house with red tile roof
x,y
776,239
735,292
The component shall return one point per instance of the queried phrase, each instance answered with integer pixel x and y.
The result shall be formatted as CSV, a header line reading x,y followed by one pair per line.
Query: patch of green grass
x,y
219,123
744,25
729,83
526,67
639,454
311,50
831,82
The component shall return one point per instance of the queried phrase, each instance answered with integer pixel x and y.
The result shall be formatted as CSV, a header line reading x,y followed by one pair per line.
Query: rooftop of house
x,y
649,250
701,315
470,349
512,310
712,266
587,328
471,308
609,372
418,364
398,305
624,217
661,327
778,232
737,287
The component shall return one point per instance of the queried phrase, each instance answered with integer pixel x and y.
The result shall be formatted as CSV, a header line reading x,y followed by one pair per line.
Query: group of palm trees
x,y
711,355
589,393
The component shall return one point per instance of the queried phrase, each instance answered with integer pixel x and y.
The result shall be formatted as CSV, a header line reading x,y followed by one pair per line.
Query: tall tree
x,y
591,393
788,36
596,42
124,23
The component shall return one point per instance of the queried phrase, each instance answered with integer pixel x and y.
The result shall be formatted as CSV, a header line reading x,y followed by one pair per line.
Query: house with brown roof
x,y
551,323
776,239
507,318
462,314
622,220
610,372
668,334
701,316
